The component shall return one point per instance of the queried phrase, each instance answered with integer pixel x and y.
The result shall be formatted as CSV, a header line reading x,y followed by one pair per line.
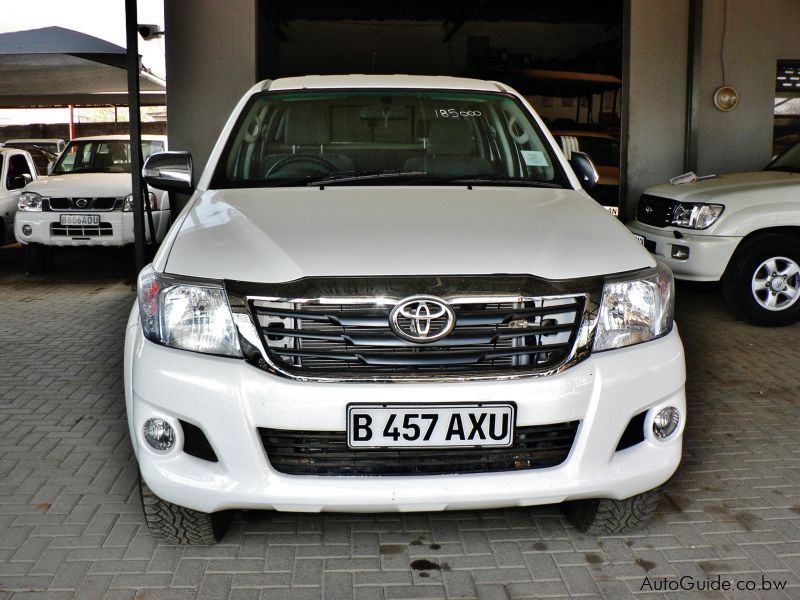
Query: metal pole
x,y
135,129
71,121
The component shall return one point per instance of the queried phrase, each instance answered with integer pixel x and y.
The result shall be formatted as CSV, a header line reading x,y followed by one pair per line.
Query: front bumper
x,y
229,399
709,255
121,232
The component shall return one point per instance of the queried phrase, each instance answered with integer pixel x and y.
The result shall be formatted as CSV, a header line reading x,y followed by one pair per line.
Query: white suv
x,y
86,200
742,229
389,293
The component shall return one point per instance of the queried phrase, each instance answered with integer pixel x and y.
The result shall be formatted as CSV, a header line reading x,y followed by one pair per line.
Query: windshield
x,y
788,161
101,156
374,136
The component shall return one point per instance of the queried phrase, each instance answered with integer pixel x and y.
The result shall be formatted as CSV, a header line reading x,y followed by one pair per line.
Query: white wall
x,y
759,32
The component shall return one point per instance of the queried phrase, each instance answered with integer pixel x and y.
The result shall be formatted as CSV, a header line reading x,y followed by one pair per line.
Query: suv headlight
x,y
127,204
636,310
696,216
184,314
30,201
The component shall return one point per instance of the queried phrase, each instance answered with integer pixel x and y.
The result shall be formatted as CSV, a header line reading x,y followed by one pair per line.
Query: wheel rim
x,y
776,283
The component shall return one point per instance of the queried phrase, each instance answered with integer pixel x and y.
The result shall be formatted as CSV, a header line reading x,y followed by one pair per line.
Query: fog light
x,y
159,434
680,252
666,422
27,230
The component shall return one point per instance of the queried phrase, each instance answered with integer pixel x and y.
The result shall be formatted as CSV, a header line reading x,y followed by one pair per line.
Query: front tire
x,y
175,524
763,282
608,517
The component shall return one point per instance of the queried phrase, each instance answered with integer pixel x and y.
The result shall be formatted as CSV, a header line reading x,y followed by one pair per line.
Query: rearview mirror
x,y
170,171
584,169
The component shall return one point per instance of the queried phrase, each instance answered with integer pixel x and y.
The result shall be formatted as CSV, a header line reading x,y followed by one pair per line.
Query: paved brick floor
x,y
71,526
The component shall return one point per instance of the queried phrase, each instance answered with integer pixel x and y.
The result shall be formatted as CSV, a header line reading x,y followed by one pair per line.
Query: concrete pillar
x,y
655,94
211,61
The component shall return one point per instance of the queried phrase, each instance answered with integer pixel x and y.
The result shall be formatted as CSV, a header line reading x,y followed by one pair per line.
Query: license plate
x,y
640,238
614,210
80,220
430,425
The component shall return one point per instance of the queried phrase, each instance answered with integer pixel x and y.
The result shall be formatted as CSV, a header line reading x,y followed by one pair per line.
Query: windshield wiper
x,y
496,179
349,176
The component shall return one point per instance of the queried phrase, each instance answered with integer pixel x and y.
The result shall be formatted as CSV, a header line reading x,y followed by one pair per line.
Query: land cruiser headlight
x,y
635,310
127,204
184,314
696,216
30,201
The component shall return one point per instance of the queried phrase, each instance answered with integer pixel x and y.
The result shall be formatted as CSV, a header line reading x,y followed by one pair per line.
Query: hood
x,y
725,188
83,184
282,234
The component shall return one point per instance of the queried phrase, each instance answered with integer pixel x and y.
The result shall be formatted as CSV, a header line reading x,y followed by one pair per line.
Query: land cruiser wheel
x,y
606,517
179,525
764,281
38,257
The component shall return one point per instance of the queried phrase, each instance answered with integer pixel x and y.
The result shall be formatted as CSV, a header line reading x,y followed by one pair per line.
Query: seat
x,y
307,131
451,151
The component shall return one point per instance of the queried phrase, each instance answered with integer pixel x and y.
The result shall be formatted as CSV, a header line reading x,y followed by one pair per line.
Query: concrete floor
x,y
71,524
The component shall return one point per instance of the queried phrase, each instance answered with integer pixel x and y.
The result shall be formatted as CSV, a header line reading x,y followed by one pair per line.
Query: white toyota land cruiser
x,y
742,229
390,293
87,200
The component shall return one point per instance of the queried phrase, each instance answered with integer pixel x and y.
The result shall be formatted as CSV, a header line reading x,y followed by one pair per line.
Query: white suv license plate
x,y
640,238
80,220
430,425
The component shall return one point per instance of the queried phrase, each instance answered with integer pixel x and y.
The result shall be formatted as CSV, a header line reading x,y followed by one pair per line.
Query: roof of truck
x,y
383,81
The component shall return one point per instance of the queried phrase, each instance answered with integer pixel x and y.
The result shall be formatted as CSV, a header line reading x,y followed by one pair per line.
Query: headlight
x,y
696,216
635,310
127,205
29,201
186,315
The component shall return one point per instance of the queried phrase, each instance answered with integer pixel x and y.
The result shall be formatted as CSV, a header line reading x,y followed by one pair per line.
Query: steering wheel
x,y
289,160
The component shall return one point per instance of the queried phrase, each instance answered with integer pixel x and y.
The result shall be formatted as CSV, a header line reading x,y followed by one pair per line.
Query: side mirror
x,y
20,181
170,171
584,169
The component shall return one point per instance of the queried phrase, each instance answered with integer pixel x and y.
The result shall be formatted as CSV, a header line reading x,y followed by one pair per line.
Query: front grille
x,y
103,203
656,211
536,334
58,230
327,453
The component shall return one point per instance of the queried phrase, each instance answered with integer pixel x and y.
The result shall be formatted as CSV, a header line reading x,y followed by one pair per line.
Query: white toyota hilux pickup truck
x,y
390,293
741,229
86,200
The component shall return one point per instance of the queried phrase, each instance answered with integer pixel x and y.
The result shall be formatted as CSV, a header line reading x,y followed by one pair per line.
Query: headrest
x,y
306,126
451,137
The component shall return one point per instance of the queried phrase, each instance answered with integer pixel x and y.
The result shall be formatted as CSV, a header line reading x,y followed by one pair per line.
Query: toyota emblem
x,y
422,319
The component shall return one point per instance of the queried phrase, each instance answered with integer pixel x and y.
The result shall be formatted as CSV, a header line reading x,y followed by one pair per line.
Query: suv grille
x,y
327,453
100,203
101,230
656,211
537,334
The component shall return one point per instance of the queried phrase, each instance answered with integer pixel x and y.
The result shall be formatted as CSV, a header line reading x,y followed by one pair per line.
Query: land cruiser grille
x,y
327,453
96,204
655,211
537,334
58,230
